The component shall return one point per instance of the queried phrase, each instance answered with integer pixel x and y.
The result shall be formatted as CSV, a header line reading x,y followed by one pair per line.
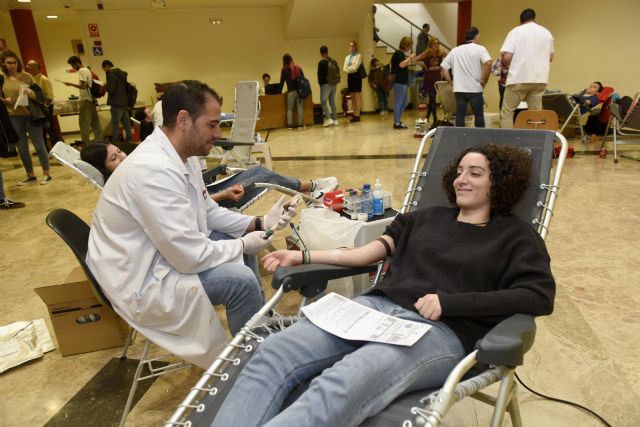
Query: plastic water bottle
x,y
378,198
366,205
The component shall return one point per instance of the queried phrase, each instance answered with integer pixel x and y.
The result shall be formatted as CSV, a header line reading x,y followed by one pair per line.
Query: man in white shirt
x,y
471,64
155,246
528,52
87,113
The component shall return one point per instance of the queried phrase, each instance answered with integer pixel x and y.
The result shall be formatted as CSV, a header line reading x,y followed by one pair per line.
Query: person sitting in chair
x,y
230,193
460,269
588,98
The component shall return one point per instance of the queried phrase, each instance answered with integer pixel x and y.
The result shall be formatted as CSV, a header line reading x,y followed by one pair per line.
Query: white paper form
x,y
347,319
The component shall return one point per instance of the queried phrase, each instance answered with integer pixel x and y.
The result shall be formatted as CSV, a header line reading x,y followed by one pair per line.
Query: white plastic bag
x,y
23,341
23,99
322,229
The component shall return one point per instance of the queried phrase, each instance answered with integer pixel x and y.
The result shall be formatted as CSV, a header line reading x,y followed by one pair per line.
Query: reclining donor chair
x,y
496,356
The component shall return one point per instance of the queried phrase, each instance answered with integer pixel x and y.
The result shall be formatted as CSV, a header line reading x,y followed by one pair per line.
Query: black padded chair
x,y
75,233
503,347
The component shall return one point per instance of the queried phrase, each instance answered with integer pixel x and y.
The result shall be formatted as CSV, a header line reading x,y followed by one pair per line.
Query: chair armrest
x,y
312,279
508,341
615,111
225,144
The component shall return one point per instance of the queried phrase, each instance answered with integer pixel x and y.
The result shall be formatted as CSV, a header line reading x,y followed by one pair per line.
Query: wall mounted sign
x,y
93,30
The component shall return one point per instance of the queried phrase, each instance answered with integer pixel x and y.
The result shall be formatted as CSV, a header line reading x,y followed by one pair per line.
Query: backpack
x,y
333,72
96,89
132,94
304,87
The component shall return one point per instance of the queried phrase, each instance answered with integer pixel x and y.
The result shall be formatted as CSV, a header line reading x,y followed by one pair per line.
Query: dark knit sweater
x,y
482,275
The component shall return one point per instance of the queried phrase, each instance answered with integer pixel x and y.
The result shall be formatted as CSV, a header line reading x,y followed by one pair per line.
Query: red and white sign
x,y
93,30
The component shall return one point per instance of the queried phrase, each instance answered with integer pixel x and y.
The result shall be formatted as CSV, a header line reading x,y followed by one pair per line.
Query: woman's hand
x,y
429,307
281,259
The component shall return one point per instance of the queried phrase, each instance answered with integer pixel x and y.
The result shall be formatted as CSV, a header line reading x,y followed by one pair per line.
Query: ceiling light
x,y
24,1
215,21
52,16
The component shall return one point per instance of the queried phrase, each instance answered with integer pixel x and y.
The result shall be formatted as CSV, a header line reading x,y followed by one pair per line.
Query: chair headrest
x,y
90,171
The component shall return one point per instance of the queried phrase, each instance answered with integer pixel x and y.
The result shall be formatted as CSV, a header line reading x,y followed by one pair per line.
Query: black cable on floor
x,y
566,402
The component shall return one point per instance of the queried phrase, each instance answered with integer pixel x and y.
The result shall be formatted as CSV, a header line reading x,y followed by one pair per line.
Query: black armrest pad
x,y
225,144
209,176
508,341
312,279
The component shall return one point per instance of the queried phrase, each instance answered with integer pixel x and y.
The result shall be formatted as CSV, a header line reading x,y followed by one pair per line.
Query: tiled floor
x,y
587,351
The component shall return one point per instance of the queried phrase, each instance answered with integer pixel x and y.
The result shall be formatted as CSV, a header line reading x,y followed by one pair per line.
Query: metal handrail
x,y
411,23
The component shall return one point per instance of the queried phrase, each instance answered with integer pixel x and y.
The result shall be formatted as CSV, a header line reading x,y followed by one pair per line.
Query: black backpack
x,y
333,72
132,94
96,90
304,86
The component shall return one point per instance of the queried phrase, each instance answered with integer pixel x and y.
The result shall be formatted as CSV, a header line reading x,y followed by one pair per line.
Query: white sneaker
x,y
327,122
335,123
320,186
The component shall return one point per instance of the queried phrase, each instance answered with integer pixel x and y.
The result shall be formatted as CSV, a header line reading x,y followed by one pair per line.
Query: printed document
x,y
347,319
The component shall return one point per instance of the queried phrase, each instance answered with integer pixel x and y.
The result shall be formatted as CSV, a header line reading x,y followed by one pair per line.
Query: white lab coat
x,y
148,242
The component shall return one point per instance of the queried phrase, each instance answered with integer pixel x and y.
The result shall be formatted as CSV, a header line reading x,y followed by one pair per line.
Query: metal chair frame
x,y
627,127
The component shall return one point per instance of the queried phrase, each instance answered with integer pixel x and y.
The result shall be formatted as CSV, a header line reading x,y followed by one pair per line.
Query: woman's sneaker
x,y
46,180
321,186
28,180
327,122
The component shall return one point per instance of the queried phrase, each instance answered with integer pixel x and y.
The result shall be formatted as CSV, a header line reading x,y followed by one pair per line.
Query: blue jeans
x,y
22,125
328,92
235,286
382,98
251,176
120,114
294,98
357,379
401,94
477,105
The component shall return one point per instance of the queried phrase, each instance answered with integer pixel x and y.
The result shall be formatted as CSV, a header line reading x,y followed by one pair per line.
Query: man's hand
x,y
429,307
281,259
254,242
235,193
278,218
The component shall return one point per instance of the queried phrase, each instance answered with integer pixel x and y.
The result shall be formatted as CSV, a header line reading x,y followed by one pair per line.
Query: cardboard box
x,y
81,324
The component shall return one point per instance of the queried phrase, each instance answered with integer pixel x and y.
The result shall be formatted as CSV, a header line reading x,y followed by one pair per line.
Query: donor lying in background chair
x,y
462,270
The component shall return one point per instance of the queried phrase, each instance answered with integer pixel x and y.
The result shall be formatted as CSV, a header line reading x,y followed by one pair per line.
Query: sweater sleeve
x,y
527,286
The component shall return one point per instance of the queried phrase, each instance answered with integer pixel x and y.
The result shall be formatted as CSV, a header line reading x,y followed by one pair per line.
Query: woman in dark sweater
x,y
461,270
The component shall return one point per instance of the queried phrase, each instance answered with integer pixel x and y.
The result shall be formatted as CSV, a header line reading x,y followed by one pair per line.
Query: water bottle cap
x,y
366,186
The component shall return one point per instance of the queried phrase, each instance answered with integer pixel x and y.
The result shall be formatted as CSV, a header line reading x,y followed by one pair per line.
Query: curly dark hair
x,y
510,168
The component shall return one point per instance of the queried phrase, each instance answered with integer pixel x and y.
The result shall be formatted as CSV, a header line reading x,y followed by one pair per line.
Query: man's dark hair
x,y
426,27
600,86
471,34
527,15
324,50
107,63
509,171
266,75
96,155
74,60
189,95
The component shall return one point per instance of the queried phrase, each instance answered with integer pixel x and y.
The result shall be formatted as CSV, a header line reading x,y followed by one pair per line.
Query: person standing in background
x,y
471,64
528,52
289,74
399,63
87,112
118,100
433,57
13,84
33,67
328,79
423,39
377,81
352,63
266,78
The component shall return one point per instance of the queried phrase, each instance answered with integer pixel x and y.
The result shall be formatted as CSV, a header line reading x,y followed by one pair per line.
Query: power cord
x,y
566,402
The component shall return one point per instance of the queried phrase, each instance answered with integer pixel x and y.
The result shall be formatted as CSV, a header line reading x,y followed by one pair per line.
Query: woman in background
x,y
15,80
432,58
399,63
378,82
354,81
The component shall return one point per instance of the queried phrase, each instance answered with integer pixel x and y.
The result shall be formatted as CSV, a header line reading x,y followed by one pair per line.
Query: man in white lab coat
x,y
151,244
